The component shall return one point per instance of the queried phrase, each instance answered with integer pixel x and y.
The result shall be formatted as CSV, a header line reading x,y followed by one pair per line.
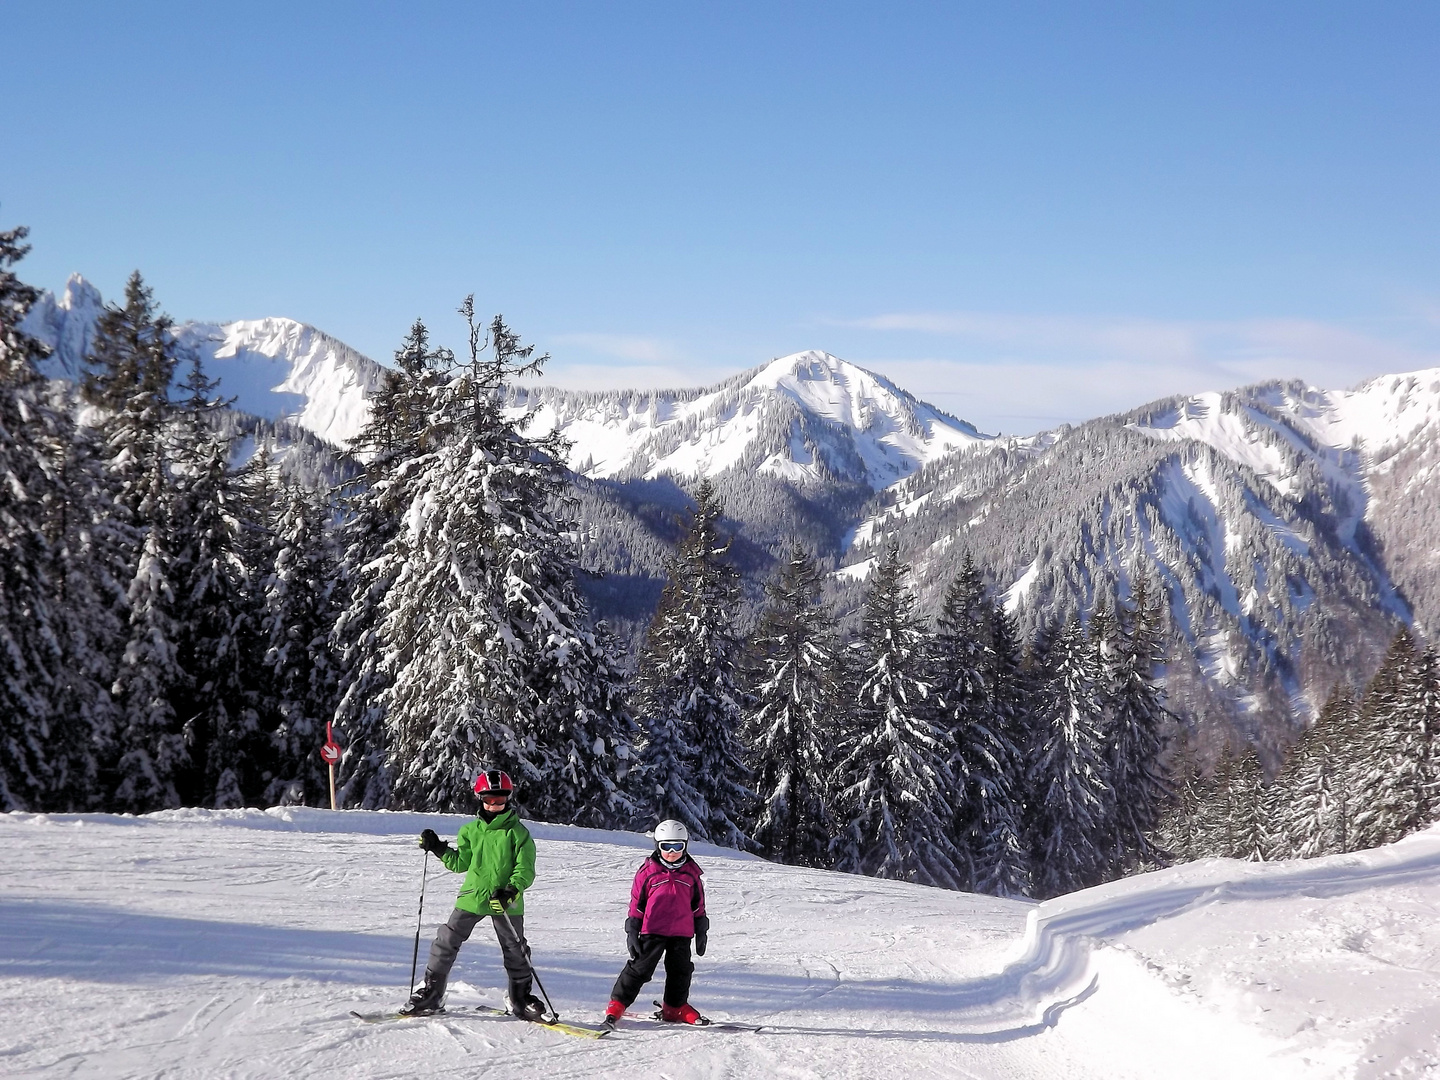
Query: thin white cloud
x,y
1020,373
601,376
642,350
1240,343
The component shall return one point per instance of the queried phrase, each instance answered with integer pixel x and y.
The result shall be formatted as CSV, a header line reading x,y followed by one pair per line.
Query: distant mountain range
x,y
808,419
272,367
1291,528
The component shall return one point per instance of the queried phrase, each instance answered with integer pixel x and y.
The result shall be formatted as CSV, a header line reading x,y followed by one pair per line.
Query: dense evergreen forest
x,y
179,622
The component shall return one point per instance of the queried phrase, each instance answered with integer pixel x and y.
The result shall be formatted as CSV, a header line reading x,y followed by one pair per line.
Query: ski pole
x,y
415,956
531,965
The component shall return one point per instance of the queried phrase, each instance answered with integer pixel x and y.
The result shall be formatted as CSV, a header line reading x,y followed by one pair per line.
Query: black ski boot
x,y
426,1001
527,1008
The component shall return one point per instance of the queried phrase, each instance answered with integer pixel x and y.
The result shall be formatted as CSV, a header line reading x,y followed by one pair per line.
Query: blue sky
x,y
1025,215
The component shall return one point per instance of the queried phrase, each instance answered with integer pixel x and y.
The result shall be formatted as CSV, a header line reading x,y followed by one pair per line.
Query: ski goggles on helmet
x,y
671,845
493,784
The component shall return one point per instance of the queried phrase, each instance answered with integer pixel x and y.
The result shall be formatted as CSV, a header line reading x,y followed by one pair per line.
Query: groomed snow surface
x,y
234,944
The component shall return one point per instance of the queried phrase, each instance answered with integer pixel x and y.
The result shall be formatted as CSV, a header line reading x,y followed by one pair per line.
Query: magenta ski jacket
x,y
667,899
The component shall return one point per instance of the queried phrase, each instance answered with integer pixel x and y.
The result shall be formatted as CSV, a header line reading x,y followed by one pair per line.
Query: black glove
x,y
502,898
432,843
702,931
632,937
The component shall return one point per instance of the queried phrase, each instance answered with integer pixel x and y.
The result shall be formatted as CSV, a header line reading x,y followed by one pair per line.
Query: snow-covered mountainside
x,y
1279,518
1378,443
194,943
806,418
66,323
272,367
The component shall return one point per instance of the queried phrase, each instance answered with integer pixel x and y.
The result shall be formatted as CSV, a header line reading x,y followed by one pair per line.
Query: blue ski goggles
x,y
672,845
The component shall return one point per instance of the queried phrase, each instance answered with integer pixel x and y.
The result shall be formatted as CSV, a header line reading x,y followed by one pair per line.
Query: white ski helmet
x,y
671,830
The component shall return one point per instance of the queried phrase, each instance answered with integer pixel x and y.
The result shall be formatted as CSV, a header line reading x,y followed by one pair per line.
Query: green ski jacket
x,y
491,855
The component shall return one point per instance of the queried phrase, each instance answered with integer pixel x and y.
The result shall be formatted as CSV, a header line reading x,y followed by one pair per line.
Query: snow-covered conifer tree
x,y
1015,717
374,505
1395,763
1417,745
129,381
1070,797
487,649
893,778
217,607
1135,733
984,759
87,547
1179,830
792,712
30,655
692,766
1313,793
1255,833
299,615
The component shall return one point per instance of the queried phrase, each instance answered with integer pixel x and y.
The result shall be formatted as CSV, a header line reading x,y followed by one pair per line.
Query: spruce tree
x,y
692,766
88,545
1014,720
30,654
128,380
1135,734
1392,750
373,505
893,777
1070,796
1179,829
217,606
794,703
1317,805
300,611
487,648
1416,742
1218,813
1256,839
987,825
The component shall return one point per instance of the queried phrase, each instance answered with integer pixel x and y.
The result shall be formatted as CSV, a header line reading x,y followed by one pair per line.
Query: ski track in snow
x,y
234,944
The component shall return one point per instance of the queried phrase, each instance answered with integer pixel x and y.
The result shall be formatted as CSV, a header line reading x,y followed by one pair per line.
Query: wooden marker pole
x,y
330,752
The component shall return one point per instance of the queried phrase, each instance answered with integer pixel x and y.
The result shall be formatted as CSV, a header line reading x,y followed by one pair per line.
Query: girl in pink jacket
x,y
667,909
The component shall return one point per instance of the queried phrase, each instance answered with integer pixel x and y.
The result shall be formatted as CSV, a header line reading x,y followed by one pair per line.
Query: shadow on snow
x,y
49,939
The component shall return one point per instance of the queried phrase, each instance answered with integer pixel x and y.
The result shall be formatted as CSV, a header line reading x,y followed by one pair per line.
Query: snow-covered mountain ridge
x,y
272,367
805,418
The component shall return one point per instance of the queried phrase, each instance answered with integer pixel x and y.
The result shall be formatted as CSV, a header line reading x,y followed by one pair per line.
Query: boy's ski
x,y
578,1030
381,1017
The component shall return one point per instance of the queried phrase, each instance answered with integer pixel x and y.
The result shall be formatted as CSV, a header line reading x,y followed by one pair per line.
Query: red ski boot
x,y
613,1012
681,1014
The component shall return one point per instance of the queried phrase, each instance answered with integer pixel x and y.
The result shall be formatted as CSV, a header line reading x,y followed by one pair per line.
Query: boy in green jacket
x,y
497,857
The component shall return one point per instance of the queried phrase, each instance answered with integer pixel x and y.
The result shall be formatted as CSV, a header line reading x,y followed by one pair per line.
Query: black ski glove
x,y
432,843
502,898
632,937
702,931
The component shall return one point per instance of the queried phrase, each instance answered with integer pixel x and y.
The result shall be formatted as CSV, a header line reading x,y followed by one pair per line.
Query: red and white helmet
x,y
492,783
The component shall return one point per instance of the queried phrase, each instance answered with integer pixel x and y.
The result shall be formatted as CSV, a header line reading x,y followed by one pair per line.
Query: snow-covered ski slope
x,y
235,943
